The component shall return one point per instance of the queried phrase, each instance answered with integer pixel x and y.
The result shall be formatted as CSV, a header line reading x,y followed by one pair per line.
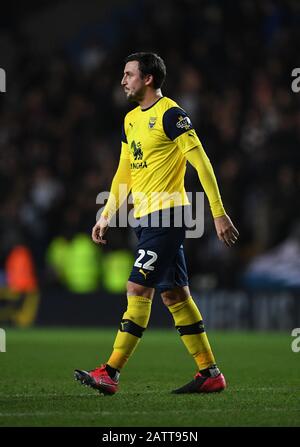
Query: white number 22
x,y
148,265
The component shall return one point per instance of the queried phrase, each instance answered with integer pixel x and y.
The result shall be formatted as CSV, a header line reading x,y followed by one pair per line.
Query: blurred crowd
x,y
229,66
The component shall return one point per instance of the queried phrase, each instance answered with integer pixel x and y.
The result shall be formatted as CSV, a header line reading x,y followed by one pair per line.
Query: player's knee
x,y
174,296
169,298
139,290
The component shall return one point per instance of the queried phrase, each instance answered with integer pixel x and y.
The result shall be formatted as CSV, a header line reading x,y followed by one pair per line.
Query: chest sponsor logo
x,y
184,123
138,154
137,150
141,165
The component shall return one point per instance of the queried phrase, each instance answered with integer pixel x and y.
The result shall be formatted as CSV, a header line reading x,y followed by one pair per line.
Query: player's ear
x,y
148,79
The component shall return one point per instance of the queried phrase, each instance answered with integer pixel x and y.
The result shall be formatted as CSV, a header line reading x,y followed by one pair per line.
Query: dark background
x,y
229,66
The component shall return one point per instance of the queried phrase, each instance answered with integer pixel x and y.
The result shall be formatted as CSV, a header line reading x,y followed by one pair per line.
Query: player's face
x,y
132,82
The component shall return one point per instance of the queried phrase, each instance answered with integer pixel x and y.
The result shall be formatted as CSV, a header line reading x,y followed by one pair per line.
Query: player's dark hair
x,y
150,63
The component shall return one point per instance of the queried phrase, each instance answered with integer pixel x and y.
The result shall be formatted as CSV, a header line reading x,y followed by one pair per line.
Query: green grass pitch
x,y
37,387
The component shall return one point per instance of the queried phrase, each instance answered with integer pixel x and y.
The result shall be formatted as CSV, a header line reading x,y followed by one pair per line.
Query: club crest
x,y
152,122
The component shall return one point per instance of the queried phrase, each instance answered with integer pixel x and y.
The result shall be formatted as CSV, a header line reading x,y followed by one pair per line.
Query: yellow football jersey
x,y
154,141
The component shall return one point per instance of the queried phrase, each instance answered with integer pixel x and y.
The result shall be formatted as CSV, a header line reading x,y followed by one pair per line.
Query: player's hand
x,y
99,230
226,231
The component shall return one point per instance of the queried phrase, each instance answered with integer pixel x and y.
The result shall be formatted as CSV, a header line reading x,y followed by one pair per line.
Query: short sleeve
x,y
176,122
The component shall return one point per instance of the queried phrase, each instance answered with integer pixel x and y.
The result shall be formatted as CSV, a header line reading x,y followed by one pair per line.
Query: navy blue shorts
x,y
159,260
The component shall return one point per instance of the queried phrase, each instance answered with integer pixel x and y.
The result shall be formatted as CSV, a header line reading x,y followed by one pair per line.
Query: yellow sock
x,y
133,324
189,323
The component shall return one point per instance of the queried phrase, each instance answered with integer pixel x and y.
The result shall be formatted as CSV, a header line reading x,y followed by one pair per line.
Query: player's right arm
x,y
120,188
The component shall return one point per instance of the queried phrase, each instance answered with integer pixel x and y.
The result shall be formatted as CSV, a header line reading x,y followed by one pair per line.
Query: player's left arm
x,y
225,229
179,128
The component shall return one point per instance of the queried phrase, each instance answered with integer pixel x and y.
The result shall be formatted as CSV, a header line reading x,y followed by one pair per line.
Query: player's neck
x,y
150,98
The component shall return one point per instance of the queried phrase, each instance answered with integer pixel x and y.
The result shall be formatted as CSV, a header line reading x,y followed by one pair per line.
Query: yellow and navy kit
x,y
159,256
157,162
156,143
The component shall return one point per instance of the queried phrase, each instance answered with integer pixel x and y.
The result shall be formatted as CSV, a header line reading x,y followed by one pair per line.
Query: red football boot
x,y
99,379
202,384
